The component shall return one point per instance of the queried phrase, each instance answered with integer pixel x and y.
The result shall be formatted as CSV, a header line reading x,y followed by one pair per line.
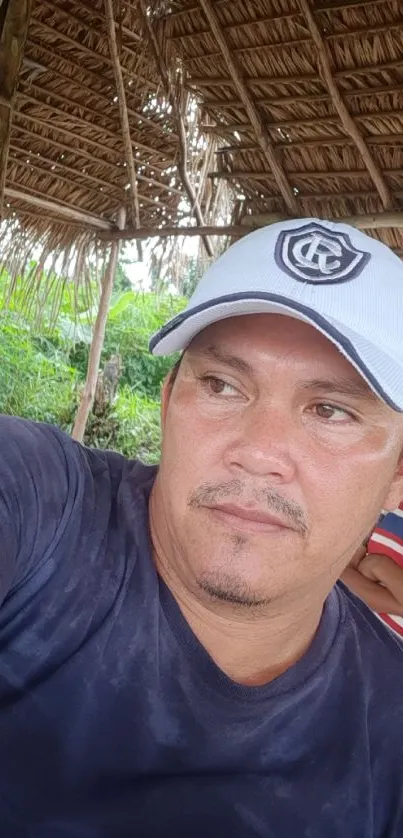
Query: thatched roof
x,y
301,103
66,137
306,99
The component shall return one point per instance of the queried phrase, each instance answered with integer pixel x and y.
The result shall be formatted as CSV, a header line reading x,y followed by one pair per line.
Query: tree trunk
x,y
87,397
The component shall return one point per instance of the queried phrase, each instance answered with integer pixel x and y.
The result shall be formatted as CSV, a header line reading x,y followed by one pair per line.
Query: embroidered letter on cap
x,y
312,253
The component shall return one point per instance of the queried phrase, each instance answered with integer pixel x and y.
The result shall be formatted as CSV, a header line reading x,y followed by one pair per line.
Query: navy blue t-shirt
x,y
115,722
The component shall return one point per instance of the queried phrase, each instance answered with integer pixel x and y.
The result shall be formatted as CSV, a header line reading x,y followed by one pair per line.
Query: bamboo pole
x,y
87,396
124,119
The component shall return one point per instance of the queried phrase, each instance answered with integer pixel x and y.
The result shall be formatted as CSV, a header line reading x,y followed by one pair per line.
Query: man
x,y
177,659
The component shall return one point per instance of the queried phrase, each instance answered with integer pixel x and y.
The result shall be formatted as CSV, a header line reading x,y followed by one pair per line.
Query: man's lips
x,y
249,517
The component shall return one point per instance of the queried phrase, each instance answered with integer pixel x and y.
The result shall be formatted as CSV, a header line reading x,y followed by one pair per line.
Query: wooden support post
x,y
14,27
124,119
87,397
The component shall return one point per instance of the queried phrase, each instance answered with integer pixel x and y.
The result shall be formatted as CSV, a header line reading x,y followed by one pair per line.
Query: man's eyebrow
x,y
222,357
343,387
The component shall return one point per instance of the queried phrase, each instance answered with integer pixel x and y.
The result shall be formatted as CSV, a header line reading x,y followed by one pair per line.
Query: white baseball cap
x,y
344,283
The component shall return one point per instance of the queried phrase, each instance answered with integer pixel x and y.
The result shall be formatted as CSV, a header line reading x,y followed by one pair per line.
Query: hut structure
x,y
298,106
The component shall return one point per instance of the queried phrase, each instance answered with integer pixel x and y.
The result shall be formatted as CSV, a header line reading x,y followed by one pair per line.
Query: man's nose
x,y
263,444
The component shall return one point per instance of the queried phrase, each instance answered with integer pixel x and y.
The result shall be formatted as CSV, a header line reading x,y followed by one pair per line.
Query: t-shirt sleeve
x,y
387,537
38,472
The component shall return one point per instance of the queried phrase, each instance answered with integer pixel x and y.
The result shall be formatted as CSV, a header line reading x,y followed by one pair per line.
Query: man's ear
x,y
395,494
166,391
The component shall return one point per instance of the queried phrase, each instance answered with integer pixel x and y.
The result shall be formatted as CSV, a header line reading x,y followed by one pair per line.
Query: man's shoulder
x,y
376,648
26,445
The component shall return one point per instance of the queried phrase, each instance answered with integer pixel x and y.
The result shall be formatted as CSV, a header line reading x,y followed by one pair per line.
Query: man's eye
x,y
332,412
218,387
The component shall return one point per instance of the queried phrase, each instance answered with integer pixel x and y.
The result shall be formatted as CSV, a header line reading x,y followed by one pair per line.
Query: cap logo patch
x,y
314,254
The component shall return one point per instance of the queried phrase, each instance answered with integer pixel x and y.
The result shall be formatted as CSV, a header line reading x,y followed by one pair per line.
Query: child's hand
x,y
378,580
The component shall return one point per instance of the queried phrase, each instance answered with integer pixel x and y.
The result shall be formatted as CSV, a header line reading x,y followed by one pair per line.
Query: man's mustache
x,y
210,494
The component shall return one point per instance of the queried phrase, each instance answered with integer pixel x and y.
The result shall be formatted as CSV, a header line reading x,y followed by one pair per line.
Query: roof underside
x,y
66,138
302,102
318,86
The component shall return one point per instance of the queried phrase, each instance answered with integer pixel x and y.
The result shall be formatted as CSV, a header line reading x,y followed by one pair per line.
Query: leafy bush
x,y
41,374
133,318
31,384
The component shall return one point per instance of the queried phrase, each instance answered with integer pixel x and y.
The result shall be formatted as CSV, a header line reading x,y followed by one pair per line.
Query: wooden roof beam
x,y
14,28
256,121
61,57
378,139
375,221
346,119
306,99
323,6
124,120
94,14
218,81
102,59
73,103
237,174
297,42
363,222
86,124
48,91
85,155
182,163
61,210
285,124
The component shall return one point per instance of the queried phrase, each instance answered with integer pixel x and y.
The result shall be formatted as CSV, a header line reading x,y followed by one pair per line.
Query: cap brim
x,y
380,371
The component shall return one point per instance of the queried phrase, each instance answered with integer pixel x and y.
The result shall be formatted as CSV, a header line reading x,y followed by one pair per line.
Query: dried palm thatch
x,y
88,127
304,99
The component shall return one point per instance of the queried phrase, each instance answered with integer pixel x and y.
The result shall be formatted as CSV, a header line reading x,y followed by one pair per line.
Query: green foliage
x,y
41,372
133,318
32,384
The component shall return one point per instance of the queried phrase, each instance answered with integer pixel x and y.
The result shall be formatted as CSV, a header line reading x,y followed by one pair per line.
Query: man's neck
x,y
250,648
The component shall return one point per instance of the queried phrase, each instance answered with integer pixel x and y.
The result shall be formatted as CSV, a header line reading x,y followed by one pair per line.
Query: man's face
x,y
276,461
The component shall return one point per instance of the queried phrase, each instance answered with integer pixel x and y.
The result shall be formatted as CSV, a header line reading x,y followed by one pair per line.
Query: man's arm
x,y
36,478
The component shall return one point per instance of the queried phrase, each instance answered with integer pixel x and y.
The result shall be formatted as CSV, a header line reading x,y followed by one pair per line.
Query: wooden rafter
x,y
301,78
75,103
255,119
281,46
79,47
305,99
239,174
386,220
85,156
323,6
61,210
242,127
83,24
12,41
182,165
124,119
85,123
390,140
348,123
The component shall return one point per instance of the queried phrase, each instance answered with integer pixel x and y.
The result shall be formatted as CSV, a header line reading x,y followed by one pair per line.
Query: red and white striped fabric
x,y
387,538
